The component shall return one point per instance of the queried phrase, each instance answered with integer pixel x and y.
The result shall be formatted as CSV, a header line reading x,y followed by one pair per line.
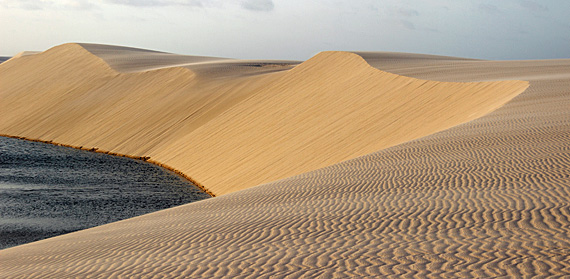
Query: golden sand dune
x,y
84,102
331,108
486,199
225,129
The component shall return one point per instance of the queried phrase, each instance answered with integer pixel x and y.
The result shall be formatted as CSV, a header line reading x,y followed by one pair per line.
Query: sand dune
x,y
84,102
227,124
331,108
487,198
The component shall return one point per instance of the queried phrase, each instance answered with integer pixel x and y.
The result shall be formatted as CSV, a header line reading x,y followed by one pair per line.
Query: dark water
x,y
48,190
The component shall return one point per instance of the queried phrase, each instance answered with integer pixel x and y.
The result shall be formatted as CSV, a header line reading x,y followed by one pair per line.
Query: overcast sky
x,y
294,29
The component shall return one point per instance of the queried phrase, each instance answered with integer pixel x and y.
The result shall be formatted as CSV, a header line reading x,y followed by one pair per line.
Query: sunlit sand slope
x,y
68,95
331,108
230,124
485,199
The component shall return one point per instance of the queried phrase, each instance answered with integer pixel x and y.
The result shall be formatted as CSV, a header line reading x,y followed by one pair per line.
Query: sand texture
x,y
388,176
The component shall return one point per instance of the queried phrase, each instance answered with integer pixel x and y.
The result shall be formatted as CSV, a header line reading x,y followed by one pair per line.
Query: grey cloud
x,y
489,8
433,30
373,8
406,12
79,5
47,4
151,3
258,5
533,6
26,4
254,5
408,24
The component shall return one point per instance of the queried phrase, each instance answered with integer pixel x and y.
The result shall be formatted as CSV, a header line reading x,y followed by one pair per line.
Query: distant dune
x,y
348,165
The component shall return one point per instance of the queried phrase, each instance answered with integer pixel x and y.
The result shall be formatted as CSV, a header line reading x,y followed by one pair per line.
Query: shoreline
x,y
140,158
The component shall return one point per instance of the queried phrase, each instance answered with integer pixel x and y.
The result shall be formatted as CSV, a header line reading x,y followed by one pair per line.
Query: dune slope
x,y
229,125
331,108
73,97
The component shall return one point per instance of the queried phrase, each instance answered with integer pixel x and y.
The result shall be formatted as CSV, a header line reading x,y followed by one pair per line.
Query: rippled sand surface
x,y
484,192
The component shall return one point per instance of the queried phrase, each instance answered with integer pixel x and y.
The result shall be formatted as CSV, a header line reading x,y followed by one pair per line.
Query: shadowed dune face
x,y
444,68
484,199
230,124
126,59
129,60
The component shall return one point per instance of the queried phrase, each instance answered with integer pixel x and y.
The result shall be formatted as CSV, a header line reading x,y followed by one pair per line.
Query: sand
x,y
328,169
228,124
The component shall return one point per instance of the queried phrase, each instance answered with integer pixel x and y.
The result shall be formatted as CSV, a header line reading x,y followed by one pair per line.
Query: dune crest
x,y
236,132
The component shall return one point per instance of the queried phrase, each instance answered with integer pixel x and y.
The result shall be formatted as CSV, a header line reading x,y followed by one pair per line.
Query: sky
x,y
294,29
